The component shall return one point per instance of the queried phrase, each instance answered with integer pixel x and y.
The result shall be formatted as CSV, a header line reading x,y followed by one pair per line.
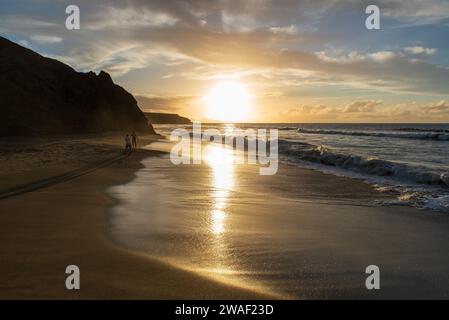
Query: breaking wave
x,y
441,135
417,185
421,130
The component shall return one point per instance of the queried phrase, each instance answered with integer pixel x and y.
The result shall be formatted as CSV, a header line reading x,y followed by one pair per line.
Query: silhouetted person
x,y
128,147
134,140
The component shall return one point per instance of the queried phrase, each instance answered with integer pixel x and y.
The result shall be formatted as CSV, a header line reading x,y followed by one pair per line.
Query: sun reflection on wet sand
x,y
200,233
221,160
218,218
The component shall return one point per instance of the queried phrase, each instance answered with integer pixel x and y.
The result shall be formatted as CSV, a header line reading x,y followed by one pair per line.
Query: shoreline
x,y
44,231
241,292
319,230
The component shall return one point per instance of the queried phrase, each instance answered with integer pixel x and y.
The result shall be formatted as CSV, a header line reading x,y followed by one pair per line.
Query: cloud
x,y
121,56
438,108
319,109
243,22
362,106
357,106
45,39
383,56
25,43
290,30
129,17
420,50
353,56
251,35
15,21
371,111
437,111
430,10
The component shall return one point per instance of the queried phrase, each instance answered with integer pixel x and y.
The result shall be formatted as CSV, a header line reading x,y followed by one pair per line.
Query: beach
x,y
44,231
142,228
300,234
224,150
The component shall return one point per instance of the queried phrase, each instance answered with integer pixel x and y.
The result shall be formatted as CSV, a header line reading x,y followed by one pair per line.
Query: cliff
x,y
44,96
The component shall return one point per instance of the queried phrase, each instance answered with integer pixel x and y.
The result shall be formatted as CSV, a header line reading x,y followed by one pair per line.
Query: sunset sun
x,y
228,101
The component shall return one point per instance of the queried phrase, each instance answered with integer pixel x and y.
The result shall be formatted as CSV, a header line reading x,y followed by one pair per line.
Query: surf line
x,y
261,147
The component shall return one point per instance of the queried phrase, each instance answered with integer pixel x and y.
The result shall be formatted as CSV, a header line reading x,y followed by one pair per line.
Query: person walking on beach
x,y
134,139
128,147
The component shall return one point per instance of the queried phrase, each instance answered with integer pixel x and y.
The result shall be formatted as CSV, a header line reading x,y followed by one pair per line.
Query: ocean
x,y
300,233
410,160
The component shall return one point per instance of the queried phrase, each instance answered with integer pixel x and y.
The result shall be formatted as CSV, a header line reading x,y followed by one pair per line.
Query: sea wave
x,y
421,135
287,128
417,185
421,130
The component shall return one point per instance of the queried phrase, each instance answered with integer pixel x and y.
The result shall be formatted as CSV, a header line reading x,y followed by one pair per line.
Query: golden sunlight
x,y
220,160
228,101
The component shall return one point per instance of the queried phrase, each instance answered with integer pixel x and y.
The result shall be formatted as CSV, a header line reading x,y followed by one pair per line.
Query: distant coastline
x,y
166,118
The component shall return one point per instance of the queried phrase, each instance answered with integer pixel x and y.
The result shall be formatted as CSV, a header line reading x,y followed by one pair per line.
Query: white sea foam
x,y
421,135
418,172
416,185
437,203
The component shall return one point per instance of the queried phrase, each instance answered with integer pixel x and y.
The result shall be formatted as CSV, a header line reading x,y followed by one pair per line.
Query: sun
x,y
228,101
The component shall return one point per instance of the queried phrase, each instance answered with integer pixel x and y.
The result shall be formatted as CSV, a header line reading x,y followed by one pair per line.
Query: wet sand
x,y
318,228
299,234
43,231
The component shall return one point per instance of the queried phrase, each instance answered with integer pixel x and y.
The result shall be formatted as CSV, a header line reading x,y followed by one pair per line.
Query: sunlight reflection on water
x,y
220,159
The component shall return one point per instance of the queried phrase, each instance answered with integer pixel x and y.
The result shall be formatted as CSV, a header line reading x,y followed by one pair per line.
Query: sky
x,y
300,61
